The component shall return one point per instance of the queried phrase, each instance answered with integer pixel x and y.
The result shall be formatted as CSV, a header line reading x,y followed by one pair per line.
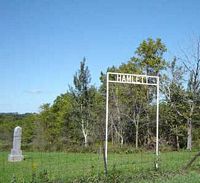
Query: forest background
x,y
76,119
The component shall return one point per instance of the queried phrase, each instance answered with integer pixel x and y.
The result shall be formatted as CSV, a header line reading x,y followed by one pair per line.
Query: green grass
x,y
88,167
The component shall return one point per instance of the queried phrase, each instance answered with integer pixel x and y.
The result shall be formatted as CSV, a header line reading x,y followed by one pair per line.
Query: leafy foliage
x,y
76,118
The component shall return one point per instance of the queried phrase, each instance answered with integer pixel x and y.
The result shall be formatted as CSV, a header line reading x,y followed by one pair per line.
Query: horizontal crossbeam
x,y
132,79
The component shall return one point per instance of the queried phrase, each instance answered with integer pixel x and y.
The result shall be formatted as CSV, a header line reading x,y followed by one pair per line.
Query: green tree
x,y
62,108
130,103
150,61
174,92
192,65
149,56
83,96
49,129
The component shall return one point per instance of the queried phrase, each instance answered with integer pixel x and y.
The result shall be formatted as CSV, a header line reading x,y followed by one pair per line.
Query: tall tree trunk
x,y
86,140
136,135
189,128
137,130
120,137
148,130
177,139
84,131
122,140
119,121
112,134
189,134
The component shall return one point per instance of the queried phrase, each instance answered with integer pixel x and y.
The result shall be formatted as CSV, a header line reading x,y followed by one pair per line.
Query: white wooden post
x,y
157,124
106,138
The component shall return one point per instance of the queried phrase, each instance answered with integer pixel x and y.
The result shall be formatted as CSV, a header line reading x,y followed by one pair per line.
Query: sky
x,y
43,41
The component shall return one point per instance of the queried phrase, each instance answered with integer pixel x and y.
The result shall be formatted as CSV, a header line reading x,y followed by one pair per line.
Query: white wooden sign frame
x,y
131,79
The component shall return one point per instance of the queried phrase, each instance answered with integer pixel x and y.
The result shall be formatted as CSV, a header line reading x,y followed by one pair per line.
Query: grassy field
x,y
88,167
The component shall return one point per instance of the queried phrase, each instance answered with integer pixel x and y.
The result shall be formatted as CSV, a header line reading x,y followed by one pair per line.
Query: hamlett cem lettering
x,y
132,79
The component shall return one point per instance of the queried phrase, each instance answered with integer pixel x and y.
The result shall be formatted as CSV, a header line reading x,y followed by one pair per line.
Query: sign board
x,y
132,79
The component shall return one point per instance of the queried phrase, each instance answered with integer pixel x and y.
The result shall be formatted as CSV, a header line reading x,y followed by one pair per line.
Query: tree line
x,y
77,118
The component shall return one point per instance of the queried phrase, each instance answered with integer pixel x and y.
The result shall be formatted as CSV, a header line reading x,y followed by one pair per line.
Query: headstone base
x,y
15,158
